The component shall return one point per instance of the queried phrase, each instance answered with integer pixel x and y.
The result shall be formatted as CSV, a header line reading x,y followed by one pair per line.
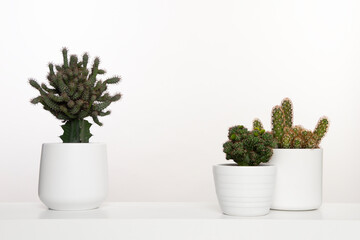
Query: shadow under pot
x,y
298,179
73,176
244,190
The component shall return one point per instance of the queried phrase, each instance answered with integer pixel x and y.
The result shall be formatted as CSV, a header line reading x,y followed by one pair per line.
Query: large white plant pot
x,y
244,191
73,176
298,179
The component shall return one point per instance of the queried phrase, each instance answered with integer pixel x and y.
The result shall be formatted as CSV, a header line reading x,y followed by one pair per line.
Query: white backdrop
x,y
190,70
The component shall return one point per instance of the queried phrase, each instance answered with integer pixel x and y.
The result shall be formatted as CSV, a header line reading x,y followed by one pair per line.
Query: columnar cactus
x,y
278,123
74,94
321,129
249,148
286,106
288,136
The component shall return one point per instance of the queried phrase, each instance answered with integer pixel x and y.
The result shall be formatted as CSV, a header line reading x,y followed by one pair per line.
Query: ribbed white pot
x,y
73,176
298,179
244,191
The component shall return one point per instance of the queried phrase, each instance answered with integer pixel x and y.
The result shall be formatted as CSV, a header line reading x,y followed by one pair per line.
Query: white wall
x,y
190,70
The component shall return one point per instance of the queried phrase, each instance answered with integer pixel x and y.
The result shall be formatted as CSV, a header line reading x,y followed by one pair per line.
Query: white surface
x,y
244,191
190,69
298,184
73,176
175,221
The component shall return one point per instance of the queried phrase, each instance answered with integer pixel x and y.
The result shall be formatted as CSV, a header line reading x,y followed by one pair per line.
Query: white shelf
x,y
173,221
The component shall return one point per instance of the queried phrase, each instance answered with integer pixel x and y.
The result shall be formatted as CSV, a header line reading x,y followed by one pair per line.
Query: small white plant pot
x,y
244,190
73,176
298,179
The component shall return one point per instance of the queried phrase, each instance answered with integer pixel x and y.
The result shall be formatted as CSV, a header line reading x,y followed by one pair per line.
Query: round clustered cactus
x,y
74,94
257,124
289,136
249,148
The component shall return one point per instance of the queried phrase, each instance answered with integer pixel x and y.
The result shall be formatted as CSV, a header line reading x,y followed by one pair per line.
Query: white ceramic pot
x,y
298,179
244,191
73,176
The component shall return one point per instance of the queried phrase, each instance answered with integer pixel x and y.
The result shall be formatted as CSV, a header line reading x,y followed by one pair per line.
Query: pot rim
x,y
227,165
298,149
80,144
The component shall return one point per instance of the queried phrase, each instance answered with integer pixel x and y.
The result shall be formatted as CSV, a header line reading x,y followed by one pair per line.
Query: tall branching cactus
x,y
74,94
289,136
249,148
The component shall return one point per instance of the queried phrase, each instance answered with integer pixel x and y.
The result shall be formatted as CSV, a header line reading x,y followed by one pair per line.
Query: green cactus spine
x,y
248,148
74,94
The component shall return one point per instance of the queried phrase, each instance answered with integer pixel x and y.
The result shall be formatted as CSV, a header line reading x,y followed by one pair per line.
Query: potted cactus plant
x,y
245,188
298,158
73,174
